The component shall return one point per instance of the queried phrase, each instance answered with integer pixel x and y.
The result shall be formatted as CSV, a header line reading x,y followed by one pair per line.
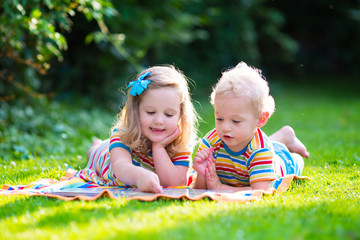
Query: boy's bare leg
x,y
286,135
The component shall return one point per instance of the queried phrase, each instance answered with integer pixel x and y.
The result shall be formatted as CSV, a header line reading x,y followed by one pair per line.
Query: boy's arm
x,y
200,163
264,185
213,181
200,182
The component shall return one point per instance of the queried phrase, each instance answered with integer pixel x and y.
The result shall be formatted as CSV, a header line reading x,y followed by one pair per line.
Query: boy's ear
x,y
263,119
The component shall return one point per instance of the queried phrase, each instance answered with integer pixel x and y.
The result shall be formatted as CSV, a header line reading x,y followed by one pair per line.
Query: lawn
x,y
325,118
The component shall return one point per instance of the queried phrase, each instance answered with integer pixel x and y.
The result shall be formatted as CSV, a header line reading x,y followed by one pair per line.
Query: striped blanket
x,y
72,188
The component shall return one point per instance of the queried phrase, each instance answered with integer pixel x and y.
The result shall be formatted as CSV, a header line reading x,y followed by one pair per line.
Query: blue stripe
x,y
262,171
232,152
136,163
118,144
223,155
182,163
276,183
226,176
206,143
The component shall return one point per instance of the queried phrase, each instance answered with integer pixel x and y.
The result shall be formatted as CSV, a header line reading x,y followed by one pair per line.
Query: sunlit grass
x,y
326,207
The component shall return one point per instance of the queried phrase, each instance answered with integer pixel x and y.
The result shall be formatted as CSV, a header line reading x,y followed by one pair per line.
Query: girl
x,y
150,143
237,155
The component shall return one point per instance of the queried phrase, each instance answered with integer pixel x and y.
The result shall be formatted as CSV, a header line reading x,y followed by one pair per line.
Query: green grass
x,y
327,207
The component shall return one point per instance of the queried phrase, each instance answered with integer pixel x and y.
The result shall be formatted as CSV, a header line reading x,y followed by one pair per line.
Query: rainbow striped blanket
x,y
73,188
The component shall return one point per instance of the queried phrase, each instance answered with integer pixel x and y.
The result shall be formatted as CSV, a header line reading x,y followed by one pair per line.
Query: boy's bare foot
x,y
94,144
286,135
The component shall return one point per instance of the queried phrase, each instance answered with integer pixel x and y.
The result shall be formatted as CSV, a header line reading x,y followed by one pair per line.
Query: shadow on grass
x,y
55,213
20,205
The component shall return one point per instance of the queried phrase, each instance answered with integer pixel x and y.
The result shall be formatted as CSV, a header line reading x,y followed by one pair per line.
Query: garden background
x,y
63,65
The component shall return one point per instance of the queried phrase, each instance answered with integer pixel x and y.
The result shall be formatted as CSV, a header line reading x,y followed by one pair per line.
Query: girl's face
x,y
235,121
159,113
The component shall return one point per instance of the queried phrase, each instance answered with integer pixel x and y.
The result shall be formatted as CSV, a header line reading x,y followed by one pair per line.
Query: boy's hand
x,y
201,159
149,182
212,179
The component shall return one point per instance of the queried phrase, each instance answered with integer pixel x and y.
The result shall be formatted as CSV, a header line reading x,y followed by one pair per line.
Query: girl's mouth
x,y
157,130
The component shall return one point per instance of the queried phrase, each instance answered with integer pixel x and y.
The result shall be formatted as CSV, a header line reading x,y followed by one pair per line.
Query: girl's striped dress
x,y
99,170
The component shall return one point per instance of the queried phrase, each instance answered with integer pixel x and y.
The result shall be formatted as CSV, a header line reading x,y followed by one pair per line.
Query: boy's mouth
x,y
227,137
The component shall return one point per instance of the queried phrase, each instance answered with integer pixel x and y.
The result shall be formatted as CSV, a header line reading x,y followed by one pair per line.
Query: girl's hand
x,y
212,179
167,140
201,159
148,182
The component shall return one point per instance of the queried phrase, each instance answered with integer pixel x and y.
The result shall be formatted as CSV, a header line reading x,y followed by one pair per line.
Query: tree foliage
x,y
32,33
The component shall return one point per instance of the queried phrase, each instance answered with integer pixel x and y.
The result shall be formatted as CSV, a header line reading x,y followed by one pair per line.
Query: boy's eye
x,y
236,121
219,119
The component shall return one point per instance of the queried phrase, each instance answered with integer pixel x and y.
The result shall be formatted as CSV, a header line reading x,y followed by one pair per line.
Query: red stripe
x,y
114,139
211,134
261,138
180,158
102,164
145,160
260,163
105,170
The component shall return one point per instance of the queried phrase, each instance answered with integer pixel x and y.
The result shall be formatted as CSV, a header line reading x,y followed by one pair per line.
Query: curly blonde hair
x,y
247,81
128,120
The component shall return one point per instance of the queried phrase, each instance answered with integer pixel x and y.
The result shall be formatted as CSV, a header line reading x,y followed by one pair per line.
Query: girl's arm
x,y
126,172
169,174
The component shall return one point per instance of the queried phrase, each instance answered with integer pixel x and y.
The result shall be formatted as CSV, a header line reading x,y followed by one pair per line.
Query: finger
x,y
207,174
211,167
172,136
210,153
201,156
157,187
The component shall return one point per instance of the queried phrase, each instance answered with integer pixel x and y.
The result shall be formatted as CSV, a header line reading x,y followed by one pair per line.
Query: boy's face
x,y
235,121
159,113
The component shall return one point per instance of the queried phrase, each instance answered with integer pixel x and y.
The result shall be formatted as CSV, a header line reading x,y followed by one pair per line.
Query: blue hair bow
x,y
138,86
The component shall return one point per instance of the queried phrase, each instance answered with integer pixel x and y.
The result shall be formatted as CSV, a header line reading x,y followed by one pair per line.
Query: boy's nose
x,y
226,127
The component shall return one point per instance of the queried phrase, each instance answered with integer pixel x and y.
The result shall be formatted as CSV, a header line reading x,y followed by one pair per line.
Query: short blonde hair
x,y
128,122
243,80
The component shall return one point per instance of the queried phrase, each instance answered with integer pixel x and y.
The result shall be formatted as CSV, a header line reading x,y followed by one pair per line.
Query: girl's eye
x,y
236,121
219,119
168,115
150,113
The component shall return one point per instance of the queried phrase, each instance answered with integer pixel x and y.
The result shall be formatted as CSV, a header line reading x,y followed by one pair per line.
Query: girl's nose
x,y
159,119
